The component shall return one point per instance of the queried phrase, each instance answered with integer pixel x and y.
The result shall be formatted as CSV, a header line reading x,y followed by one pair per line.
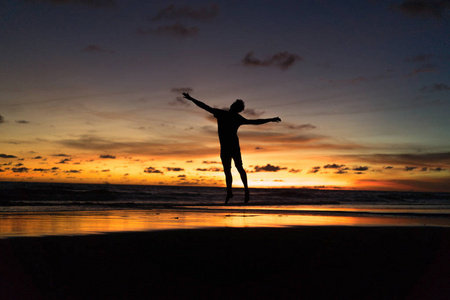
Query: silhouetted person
x,y
228,122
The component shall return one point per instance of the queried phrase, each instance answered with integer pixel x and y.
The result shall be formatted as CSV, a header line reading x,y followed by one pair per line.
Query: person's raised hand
x,y
187,96
277,119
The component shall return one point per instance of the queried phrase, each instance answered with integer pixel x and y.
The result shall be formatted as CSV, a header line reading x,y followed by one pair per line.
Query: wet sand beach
x,y
309,262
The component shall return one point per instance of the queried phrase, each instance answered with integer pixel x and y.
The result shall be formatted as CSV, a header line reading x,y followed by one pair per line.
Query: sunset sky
x,y
90,91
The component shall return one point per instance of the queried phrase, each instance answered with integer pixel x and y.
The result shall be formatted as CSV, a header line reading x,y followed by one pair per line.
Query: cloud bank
x,y
152,170
7,156
268,168
435,9
178,14
175,30
283,60
437,87
180,100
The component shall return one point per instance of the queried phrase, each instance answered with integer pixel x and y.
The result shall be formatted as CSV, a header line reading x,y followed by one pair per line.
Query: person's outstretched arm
x,y
262,121
199,103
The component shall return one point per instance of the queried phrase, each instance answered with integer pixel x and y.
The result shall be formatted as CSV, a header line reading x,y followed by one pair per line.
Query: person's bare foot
x,y
229,196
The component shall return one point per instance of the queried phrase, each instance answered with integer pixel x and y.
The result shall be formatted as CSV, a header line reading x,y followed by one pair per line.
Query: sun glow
x,y
208,171
124,169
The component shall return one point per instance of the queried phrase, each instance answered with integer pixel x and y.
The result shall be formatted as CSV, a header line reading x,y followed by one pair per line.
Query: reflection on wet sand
x,y
93,222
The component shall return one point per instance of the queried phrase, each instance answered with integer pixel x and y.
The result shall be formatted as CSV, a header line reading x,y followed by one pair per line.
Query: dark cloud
x,y
20,170
251,113
339,168
107,156
37,157
210,162
295,170
189,161
182,90
282,60
104,171
410,168
438,169
152,170
186,12
7,156
424,8
22,122
388,167
427,68
438,87
361,168
212,169
41,170
340,172
94,143
290,140
268,168
333,166
422,159
176,30
174,169
420,58
61,155
73,171
314,170
179,101
300,140
2,120
65,160
94,3
93,48
300,127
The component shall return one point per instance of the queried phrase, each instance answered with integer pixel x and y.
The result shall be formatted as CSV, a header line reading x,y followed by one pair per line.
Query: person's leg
x,y
226,163
238,163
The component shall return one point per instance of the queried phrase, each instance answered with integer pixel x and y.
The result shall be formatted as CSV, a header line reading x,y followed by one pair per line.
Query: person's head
x,y
237,106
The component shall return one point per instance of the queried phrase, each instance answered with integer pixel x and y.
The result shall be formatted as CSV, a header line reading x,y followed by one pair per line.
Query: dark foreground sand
x,y
249,263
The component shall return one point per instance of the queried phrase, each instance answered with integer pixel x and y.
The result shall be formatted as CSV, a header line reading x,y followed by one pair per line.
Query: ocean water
x,y
19,196
40,209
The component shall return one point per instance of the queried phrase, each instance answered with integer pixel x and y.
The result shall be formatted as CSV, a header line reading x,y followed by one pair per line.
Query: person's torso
x,y
228,124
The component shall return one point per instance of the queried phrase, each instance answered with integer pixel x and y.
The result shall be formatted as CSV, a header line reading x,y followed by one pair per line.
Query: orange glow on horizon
x,y
207,171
